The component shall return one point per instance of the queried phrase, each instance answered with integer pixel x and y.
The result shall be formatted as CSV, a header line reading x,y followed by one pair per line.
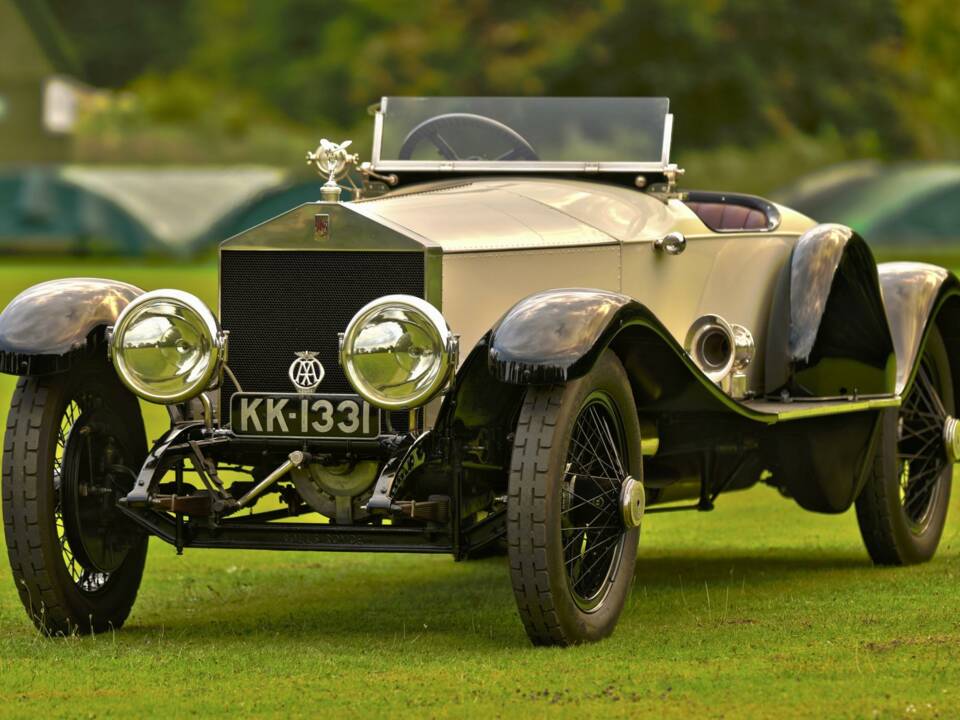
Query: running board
x,y
809,408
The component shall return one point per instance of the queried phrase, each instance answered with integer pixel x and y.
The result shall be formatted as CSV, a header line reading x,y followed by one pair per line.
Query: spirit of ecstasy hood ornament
x,y
332,161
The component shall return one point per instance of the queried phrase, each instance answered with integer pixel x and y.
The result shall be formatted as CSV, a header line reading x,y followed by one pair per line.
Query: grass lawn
x,y
758,609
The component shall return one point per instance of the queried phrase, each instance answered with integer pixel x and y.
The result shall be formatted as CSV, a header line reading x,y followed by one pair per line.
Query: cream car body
x,y
517,328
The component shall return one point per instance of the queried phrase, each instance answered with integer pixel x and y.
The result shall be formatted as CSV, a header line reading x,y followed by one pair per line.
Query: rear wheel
x,y
574,505
903,507
73,442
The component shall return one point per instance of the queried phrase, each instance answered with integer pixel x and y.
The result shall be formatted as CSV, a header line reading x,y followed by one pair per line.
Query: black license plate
x,y
303,416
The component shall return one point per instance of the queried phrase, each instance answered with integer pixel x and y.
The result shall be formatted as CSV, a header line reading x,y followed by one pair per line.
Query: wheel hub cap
x,y
633,502
951,438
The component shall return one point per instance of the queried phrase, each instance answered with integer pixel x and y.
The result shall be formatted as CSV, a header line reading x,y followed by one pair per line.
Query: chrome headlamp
x,y
167,346
398,353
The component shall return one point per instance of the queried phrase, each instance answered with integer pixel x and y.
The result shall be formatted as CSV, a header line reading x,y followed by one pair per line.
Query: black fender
x,y
828,333
48,326
478,414
556,336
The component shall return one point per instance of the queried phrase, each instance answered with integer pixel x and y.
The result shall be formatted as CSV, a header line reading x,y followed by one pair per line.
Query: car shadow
x,y
760,567
449,602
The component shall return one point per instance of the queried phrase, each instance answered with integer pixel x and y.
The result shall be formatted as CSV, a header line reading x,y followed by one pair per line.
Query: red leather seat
x,y
727,217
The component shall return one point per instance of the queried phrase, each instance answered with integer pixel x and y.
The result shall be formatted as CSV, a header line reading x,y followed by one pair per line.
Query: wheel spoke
x,y
601,433
87,579
591,529
587,455
603,513
606,486
599,558
921,456
930,393
595,544
583,500
591,453
601,510
609,444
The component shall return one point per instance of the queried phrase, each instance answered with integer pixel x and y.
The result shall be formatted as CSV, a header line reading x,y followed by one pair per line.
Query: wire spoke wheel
x,y
591,530
921,452
575,504
902,507
72,441
87,578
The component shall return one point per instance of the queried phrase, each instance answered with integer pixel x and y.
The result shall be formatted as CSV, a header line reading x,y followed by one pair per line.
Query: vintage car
x,y
517,335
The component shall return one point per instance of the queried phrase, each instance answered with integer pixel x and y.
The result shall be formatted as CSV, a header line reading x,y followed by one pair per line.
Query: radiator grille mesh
x,y
278,302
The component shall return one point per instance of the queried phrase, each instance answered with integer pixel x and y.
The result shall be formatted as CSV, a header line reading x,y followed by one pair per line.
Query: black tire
x,y
550,600
74,574
902,508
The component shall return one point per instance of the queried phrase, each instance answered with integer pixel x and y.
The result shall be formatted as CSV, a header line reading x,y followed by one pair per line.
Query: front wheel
x,y
574,505
72,444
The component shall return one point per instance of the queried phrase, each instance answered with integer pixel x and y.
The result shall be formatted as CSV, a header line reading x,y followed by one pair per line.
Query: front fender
x,y
556,336
48,325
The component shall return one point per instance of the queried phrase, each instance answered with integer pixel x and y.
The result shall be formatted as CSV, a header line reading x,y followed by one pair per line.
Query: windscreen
x,y
512,129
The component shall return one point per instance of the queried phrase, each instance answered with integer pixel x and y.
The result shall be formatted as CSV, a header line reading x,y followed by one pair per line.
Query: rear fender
x,y
49,326
828,332
915,293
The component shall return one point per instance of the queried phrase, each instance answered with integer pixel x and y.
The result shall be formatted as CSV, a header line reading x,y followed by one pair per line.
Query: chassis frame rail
x,y
292,536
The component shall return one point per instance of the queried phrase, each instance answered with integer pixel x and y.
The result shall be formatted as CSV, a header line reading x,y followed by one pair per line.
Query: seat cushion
x,y
725,216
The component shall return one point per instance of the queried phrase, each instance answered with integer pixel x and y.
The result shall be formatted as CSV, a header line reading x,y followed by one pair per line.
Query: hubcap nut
x,y
633,502
951,438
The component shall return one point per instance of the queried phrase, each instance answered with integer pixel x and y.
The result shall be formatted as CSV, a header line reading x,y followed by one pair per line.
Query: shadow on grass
x,y
454,604
666,570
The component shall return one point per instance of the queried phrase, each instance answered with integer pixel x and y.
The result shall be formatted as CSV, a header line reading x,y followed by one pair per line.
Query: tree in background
x,y
861,77
116,41
928,94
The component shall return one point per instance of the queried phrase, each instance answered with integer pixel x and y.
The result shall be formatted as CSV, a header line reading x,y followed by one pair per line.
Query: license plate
x,y
303,416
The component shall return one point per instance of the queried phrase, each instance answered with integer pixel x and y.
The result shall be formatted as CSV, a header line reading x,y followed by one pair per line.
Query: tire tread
x,y
526,525
34,553
21,513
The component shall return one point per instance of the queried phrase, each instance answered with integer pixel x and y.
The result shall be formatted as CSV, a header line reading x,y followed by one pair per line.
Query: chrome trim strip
x,y
667,136
377,133
350,229
515,166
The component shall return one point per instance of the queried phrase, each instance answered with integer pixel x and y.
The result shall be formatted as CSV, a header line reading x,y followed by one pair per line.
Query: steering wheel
x,y
432,130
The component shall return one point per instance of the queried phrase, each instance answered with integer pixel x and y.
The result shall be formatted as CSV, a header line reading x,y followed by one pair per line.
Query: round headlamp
x,y
397,352
166,346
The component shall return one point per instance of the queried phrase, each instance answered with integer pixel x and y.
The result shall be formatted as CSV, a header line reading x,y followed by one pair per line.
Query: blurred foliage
x,y
928,95
117,40
220,80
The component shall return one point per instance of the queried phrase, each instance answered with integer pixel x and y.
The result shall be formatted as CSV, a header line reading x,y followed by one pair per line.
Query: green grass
x,y
758,609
